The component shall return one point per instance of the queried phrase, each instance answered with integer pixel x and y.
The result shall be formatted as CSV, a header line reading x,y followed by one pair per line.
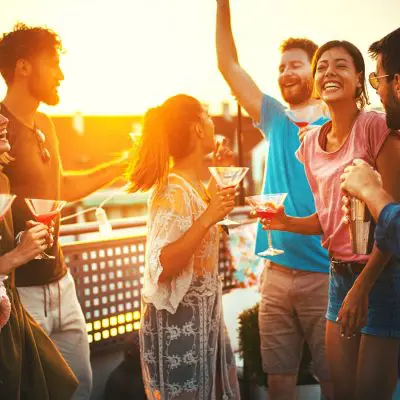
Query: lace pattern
x,y
185,349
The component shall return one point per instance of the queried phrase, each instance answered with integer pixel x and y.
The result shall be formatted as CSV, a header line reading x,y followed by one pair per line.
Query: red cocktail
x,y
267,211
265,205
44,212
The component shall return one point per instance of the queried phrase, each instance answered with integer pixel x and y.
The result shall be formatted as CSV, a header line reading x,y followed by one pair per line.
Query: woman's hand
x,y
279,222
34,241
221,204
354,312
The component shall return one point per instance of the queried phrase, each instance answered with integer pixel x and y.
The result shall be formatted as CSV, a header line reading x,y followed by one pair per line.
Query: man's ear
x,y
23,67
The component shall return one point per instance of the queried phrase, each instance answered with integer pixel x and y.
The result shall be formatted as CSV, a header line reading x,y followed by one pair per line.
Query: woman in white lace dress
x,y
185,349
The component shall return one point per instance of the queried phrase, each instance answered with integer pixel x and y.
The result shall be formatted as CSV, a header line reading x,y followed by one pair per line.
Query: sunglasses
x,y
41,139
374,79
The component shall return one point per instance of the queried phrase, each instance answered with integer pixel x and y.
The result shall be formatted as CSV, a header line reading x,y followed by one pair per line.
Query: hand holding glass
x,y
227,177
265,205
44,212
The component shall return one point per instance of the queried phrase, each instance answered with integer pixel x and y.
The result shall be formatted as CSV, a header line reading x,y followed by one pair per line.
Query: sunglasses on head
x,y
41,139
374,79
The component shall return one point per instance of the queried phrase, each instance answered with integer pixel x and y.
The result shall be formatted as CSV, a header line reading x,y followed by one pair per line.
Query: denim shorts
x,y
384,300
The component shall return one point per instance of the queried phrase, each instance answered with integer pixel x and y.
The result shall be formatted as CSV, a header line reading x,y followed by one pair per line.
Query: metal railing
x,y
108,277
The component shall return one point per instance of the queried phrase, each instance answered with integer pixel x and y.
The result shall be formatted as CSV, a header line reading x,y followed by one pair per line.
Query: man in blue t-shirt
x,y
294,285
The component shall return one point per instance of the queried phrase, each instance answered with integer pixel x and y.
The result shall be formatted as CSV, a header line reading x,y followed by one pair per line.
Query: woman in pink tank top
x,y
363,316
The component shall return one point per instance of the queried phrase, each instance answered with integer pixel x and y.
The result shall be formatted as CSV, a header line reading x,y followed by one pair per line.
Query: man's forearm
x,y
78,184
226,49
376,200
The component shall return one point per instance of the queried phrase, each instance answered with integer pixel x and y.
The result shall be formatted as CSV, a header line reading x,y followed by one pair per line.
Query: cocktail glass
x,y
265,205
228,177
44,211
304,116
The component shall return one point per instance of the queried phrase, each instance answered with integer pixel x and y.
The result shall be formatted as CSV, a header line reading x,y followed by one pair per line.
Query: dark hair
x,y
389,48
24,42
166,133
358,60
304,44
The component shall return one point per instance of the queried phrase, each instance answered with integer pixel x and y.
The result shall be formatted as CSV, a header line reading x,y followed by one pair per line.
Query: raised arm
x,y
241,84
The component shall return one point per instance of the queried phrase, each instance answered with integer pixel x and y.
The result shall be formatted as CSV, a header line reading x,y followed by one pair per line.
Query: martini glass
x,y
44,212
304,116
5,203
228,177
265,205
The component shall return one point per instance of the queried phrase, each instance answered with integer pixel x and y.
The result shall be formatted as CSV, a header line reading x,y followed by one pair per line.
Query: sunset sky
x,y
124,56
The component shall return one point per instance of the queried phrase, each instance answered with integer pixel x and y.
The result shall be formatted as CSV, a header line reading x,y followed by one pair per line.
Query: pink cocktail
x,y
304,116
265,205
45,211
46,218
301,124
266,211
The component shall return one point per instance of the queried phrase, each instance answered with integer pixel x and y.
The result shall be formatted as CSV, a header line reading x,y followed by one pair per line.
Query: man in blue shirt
x,y
294,285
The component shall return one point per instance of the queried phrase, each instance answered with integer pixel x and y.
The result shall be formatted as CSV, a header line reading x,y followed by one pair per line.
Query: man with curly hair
x,y
29,64
294,284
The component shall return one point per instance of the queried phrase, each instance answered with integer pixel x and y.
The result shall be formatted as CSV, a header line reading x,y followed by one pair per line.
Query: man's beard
x,y
302,94
42,93
392,109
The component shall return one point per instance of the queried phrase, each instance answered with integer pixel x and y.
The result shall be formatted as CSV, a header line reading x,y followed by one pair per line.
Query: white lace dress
x,y
185,350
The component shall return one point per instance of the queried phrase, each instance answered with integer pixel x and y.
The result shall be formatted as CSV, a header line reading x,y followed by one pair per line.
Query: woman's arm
x,y
33,241
175,256
305,226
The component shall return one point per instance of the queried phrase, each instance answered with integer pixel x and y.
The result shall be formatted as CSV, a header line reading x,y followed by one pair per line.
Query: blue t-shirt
x,y
285,174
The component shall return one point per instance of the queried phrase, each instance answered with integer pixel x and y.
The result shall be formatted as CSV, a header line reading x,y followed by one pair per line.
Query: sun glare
x,y
128,55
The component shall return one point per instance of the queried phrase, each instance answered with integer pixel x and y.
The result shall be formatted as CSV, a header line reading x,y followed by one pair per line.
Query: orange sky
x,y
127,55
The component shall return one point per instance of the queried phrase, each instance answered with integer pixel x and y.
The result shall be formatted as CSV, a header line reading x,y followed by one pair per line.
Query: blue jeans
x,y
384,300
